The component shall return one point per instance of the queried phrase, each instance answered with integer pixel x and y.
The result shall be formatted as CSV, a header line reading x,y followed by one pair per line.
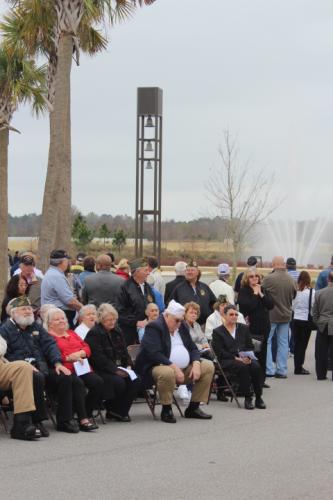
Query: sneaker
x,y
182,392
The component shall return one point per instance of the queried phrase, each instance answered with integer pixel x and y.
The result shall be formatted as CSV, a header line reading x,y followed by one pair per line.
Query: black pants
x,y
120,393
95,385
301,333
262,356
246,375
323,350
38,386
68,389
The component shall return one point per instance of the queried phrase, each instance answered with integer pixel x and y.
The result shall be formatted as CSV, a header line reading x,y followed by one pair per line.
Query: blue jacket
x,y
156,348
322,278
33,342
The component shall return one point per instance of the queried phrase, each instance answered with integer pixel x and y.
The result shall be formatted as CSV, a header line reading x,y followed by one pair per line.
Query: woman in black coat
x,y
254,303
108,356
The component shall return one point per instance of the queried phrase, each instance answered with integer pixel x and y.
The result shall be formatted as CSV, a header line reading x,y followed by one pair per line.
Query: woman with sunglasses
x,y
255,302
233,347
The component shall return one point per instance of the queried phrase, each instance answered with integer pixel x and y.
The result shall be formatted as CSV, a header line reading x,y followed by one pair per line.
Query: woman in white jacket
x,y
216,318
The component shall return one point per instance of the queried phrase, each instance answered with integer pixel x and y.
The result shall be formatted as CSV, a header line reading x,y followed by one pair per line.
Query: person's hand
x,y
74,356
122,373
205,346
141,324
246,361
62,369
256,289
195,372
180,377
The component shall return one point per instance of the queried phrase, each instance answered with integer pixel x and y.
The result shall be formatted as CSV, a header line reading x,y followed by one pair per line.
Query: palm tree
x,y
21,81
63,28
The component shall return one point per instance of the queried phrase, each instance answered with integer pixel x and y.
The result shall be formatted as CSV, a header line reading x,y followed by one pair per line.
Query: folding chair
x,y
228,386
150,394
5,408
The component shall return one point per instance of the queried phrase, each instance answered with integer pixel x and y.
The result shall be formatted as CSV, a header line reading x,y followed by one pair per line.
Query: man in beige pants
x,y
17,377
168,357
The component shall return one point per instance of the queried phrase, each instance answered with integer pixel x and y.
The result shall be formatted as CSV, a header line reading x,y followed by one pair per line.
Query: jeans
x,y
281,330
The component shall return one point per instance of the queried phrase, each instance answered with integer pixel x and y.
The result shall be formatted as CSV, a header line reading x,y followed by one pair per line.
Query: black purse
x,y
310,318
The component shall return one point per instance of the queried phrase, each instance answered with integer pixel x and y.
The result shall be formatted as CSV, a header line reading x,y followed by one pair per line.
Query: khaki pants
x,y
17,377
165,379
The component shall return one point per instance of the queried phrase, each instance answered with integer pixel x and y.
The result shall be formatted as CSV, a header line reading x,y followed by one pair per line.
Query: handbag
x,y
310,318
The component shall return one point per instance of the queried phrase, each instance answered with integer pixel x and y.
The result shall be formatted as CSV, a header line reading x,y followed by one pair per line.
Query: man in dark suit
x,y
180,268
103,286
169,357
322,313
233,348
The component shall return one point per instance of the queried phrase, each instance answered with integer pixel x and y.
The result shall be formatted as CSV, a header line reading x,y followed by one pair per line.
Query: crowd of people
x,y
64,336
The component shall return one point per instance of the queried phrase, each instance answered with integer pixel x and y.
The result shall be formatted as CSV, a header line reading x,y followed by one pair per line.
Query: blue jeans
x,y
281,330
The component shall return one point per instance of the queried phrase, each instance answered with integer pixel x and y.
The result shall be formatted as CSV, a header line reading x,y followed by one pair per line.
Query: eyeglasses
x,y
233,314
254,276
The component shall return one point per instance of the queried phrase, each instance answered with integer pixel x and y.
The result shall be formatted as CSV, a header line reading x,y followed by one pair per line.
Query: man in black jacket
x,y
180,268
169,357
194,290
135,294
28,341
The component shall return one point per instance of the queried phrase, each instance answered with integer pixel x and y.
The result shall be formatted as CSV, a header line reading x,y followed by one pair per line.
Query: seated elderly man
x,y
28,341
17,377
169,357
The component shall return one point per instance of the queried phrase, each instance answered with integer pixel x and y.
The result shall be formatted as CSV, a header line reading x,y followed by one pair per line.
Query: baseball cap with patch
x,y
21,301
59,254
137,263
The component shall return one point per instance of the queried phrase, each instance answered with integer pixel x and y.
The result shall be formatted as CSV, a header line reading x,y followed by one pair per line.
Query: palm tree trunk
x,y
57,192
4,141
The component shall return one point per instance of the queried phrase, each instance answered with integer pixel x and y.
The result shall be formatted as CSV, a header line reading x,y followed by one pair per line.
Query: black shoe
x,y
168,416
24,432
279,375
321,378
270,375
70,426
110,415
260,404
266,386
302,371
197,413
221,396
42,429
88,426
248,404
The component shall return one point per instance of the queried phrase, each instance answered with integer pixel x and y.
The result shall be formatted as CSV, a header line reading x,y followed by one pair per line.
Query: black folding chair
x,y
229,386
150,394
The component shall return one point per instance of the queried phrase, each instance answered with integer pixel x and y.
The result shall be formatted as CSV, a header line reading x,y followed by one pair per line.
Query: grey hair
x,y
104,310
180,267
49,317
56,262
86,308
44,309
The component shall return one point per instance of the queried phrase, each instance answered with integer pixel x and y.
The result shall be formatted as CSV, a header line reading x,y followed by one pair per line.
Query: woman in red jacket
x,y
75,353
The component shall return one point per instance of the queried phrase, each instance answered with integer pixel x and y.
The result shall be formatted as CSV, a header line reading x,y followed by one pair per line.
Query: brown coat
x,y
282,288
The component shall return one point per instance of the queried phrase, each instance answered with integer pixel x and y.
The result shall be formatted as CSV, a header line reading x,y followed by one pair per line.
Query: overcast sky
x,y
261,68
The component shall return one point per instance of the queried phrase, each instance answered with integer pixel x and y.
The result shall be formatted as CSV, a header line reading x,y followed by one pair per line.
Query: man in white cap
x,y
221,285
169,357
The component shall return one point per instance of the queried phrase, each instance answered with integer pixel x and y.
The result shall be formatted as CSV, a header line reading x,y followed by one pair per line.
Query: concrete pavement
x,y
284,452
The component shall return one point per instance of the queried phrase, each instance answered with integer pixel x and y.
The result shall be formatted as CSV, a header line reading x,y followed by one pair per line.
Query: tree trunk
x,y
56,214
4,141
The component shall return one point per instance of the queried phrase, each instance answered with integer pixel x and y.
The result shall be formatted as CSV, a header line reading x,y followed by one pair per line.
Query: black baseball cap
x,y
59,254
252,261
28,260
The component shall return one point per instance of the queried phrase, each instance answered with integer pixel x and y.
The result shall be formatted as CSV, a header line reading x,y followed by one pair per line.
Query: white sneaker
x,y
182,392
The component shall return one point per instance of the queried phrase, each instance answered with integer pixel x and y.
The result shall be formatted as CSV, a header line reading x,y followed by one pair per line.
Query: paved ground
x,y
285,452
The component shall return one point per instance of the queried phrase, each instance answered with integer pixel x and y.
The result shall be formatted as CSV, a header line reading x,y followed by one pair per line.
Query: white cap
x,y
175,309
223,269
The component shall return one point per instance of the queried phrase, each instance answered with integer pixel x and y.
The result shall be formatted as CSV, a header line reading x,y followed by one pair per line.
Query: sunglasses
x,y
177,320
254,276
233,314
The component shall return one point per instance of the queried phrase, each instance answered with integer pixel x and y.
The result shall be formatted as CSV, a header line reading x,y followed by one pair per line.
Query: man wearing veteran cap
x,y
135,294
194,290
169,357
56,289
28,341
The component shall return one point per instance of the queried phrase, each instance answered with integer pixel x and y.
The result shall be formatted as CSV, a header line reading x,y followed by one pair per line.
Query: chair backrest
x,y
133,351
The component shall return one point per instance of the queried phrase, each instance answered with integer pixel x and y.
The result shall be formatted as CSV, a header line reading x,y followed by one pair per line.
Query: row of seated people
x,y
55,359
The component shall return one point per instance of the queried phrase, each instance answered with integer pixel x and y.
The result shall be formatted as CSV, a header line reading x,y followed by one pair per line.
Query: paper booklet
x,y
82,368
131,373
